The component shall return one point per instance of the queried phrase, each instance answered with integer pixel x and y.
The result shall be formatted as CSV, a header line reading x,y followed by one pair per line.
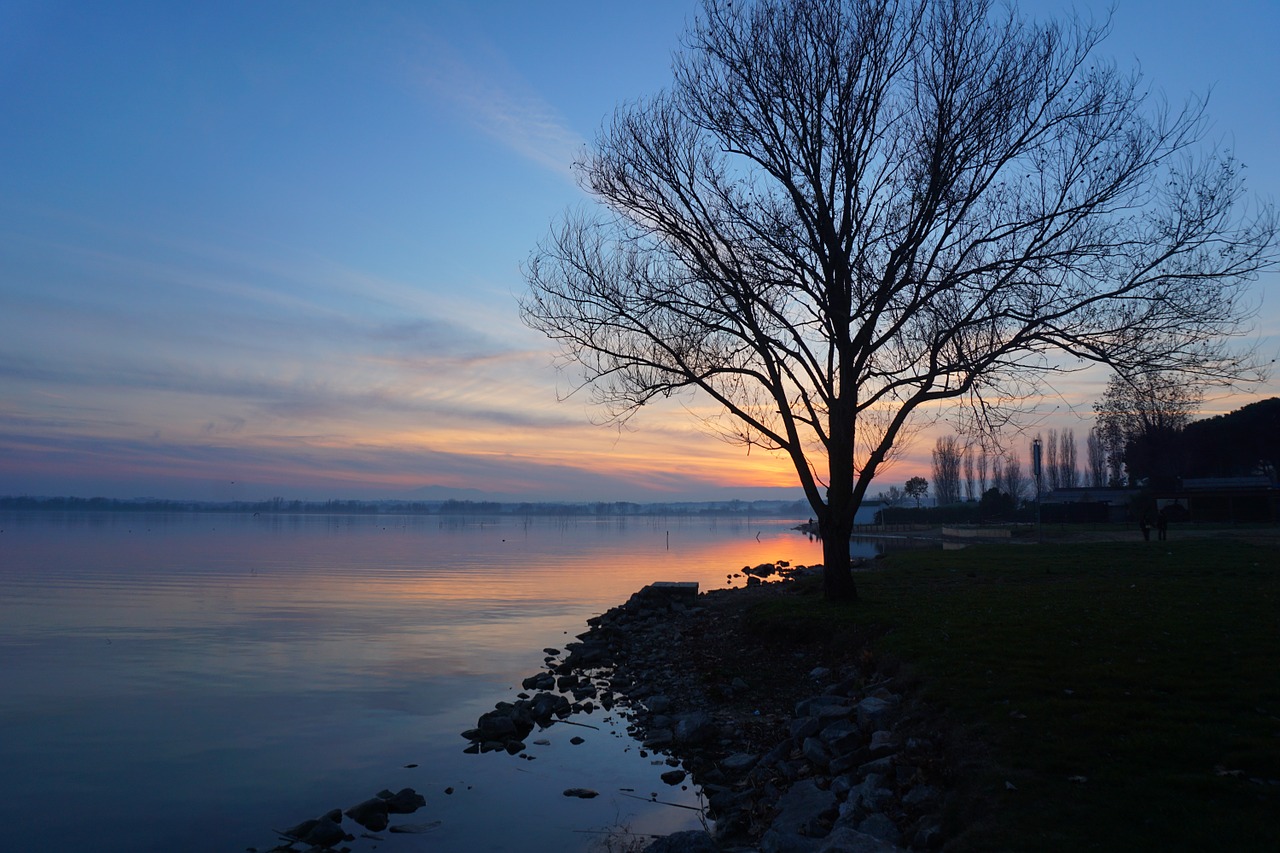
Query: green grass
x,y
1152,670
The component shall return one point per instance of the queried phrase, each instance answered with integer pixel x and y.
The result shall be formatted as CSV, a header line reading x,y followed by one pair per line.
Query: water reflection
x,y
189,681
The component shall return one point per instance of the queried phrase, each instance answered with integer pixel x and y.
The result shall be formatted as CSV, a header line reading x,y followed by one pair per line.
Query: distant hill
x,y
1239,443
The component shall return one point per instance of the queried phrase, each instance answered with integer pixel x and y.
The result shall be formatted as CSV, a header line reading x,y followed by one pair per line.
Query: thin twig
x,y
664,803
572,723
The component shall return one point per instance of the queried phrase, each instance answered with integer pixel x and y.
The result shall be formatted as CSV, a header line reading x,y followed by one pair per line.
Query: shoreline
x,y
797,744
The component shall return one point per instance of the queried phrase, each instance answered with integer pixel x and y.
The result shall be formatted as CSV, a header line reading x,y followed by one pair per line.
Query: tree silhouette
x,y
916,487
843,212
1142,417
947,456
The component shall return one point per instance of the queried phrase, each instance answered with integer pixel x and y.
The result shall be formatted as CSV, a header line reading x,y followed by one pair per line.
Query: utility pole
x,y
1037,470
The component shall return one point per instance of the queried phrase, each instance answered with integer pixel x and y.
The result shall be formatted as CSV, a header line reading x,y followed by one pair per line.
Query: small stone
x,y
879,825
581,793
689,841
575,740
921,795
659,739
739,762
673,777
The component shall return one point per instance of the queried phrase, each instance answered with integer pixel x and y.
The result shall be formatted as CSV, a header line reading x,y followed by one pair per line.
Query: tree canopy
x,y
844,213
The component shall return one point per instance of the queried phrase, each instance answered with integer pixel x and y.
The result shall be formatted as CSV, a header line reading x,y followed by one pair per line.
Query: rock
x,y
815,752
404,801
581,793
666,593
869,796
576,740
879,765
673,777
780,752
921,795
846,840
842,764
803,727
878,825
496,726
928,837
841,737
840,706
689,841
739,763
325,831
799,814
882,743
371,814
694,728
873,712
658,704
541,681
659,739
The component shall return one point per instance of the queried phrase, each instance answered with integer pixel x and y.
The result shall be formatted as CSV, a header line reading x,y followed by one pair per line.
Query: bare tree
x,y
1010,478
970,475
893,497
1097,459
843,211
1049,469
1068,473
982,472
946,470
1142,415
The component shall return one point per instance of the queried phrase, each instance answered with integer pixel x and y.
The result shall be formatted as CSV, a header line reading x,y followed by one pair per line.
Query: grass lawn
x,y
1127,694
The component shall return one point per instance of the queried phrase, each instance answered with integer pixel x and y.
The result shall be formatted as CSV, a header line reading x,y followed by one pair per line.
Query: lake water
x,y
192,682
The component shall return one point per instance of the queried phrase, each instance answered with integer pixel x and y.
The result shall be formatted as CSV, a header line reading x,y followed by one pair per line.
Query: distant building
x,y
1201,499
1232,499
1084,504
867,512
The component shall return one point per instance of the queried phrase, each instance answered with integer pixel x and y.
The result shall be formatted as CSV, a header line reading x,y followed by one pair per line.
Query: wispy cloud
x,y
502,106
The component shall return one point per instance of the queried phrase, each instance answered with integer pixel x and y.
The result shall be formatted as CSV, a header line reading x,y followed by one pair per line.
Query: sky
x,y
256,249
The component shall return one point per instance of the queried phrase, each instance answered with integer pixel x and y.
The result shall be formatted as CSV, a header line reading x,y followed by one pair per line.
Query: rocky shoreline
x,y
799,745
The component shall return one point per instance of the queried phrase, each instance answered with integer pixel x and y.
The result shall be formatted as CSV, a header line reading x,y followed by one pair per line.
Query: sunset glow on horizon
x,y
250,250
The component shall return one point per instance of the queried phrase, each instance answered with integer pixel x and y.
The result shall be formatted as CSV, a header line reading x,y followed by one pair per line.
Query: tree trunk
x,y
837,566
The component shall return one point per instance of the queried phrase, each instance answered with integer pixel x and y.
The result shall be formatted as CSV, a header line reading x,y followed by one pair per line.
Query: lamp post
x,y
1036,470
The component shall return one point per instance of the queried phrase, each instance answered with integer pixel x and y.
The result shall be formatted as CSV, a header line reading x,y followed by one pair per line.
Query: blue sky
x,y
274,248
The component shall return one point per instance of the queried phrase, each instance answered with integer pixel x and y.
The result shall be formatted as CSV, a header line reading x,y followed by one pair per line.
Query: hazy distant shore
x,y
772,508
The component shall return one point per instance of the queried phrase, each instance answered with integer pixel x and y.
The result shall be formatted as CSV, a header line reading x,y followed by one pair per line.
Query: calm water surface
x,y
191,682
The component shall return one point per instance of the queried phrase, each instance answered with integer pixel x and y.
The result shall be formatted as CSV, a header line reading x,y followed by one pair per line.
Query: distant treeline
x,y
786,509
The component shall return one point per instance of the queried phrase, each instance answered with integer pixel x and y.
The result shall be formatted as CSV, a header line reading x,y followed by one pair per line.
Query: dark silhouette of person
x,y
1145,524
1162,525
